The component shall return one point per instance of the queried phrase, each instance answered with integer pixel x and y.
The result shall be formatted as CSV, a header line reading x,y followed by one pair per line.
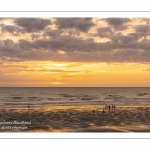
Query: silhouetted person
x,y
93,111
114,108
103,111
28,106
109,107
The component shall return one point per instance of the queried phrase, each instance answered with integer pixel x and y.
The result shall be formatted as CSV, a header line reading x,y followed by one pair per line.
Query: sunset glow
x,y
69,52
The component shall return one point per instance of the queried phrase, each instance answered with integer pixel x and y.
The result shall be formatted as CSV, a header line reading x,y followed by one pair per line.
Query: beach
x,y
74,109
75,119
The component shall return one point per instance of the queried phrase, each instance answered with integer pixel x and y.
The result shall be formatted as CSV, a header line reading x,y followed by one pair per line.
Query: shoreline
x,y
76,106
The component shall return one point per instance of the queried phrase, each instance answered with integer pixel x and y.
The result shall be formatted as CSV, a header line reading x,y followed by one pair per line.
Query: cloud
x,y
118,23
11,66
142,30
3,19
32,24
82,24
52,33
121,48
105,32
124,39
75,45
11,29
35,36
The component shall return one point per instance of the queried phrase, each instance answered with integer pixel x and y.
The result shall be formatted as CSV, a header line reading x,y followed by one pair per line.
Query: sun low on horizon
x,y
74,52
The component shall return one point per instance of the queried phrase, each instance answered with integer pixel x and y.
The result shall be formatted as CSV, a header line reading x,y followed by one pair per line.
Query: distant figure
x,y
114,108
28,106
103,111
93,111
109,108
106,106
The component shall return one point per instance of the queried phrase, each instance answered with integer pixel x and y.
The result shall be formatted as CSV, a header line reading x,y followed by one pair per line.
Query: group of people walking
x,y
107,108
110,106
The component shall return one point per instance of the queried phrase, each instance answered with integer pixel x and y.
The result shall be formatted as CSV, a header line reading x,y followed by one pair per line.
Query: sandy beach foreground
x,y
75,119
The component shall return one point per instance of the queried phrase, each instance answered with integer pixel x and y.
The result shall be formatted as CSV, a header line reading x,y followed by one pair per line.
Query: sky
x,y
75,52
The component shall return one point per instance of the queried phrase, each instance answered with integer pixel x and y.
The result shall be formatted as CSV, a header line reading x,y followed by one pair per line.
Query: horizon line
x,y
75,87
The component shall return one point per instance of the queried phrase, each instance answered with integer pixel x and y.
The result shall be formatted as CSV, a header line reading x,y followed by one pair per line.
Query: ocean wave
x,y
17,97
142,94
50,99
66,95
87,98
142,99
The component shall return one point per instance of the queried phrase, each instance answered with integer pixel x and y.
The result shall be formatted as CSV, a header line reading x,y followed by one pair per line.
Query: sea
x,y
16,97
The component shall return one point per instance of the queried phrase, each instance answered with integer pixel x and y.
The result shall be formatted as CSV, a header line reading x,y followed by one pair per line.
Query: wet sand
x,y
75,119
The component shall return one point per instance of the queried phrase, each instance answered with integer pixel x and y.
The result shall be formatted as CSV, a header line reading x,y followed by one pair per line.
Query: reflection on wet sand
x,y
80,119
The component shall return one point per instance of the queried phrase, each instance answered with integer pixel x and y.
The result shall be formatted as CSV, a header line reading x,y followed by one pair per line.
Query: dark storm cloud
x,y
82,24
118,23
32,24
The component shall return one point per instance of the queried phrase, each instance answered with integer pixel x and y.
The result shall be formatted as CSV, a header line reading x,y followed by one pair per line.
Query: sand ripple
x,y
122,119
